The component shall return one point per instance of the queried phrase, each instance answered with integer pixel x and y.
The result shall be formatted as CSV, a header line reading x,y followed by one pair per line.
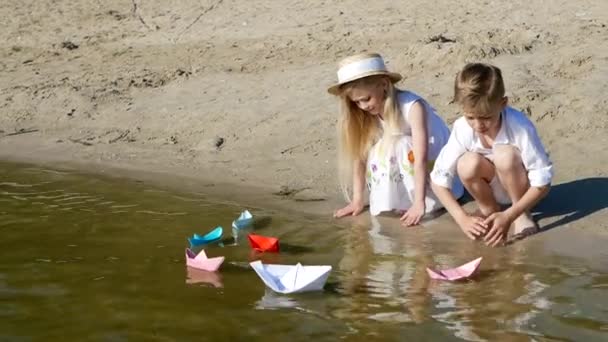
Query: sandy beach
x,y
224,92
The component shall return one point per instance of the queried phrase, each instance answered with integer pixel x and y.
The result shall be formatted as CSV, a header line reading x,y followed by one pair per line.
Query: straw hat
x,y
359,66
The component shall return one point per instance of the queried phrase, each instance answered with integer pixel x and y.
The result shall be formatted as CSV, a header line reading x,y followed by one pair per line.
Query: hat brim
x,y
393,76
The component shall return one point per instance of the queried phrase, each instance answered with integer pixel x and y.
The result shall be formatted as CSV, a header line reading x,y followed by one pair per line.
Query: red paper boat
x,y
263,243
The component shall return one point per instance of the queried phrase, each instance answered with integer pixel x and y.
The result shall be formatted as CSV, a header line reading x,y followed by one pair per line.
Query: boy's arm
x,y
502,220
443,175
540,172
527,201
472,226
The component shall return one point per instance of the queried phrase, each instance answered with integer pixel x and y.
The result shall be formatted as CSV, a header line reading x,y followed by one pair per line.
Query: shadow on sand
x,y
575,200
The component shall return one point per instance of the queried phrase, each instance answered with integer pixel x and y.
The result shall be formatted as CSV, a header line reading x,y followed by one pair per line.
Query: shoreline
x,y
567,204
175,177
236,96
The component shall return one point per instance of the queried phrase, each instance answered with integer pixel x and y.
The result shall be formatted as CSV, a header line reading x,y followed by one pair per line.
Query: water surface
x,y
90,258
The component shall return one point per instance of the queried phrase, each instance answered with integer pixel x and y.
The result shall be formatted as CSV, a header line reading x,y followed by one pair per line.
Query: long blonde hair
x,y
359,131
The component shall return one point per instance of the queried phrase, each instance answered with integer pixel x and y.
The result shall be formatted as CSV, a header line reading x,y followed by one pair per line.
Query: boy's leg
x,y
476,172
513,176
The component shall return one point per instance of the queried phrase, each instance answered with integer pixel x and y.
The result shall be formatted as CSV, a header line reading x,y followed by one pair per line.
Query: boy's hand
x,y
499,224
413,215
353,208
473,226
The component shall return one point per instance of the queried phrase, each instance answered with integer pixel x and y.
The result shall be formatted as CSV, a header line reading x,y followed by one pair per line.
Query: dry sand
x,y
158,85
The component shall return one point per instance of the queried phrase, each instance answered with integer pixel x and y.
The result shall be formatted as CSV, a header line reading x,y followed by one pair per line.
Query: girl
x,y
389,137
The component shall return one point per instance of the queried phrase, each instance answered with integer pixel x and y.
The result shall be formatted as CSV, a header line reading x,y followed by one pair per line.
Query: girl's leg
x,y
476,172
514,178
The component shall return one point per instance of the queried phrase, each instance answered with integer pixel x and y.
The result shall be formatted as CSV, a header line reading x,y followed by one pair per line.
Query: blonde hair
x,y
479,87
359,131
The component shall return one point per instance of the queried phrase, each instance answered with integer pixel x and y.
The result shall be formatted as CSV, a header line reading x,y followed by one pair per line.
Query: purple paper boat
x,y
201,261
460,272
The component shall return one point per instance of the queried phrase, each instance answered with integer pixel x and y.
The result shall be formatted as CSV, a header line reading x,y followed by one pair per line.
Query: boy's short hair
x,y
479,87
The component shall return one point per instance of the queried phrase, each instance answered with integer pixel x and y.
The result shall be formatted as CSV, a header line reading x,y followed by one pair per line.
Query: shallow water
x,y
88,258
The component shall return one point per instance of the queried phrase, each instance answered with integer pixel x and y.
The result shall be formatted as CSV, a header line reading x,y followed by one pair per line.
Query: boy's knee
x,y
507,157
468,165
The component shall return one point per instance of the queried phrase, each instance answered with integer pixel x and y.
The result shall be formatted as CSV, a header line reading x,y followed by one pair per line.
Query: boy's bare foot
x,y
524,225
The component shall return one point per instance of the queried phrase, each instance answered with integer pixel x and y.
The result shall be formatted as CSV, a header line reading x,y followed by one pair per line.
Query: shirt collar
x,y
501,138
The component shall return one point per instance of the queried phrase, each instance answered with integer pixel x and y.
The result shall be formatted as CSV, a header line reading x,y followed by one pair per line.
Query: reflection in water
x,y
109,255
383,275
273,301
196,276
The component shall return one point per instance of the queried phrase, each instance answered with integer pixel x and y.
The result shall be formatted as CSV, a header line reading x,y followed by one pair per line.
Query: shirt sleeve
x,y
535,158
444,169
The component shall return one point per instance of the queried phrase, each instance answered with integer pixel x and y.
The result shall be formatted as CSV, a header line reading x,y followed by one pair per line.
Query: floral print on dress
x,y
390,163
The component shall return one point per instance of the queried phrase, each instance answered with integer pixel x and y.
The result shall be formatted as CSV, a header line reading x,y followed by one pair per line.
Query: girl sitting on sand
x,y
389,138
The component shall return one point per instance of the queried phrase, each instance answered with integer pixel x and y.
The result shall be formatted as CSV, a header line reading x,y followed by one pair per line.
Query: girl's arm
x,y
418,122
358,182
355,207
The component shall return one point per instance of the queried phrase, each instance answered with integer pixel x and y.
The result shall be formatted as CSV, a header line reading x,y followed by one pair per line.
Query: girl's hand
x,y
353,208
499,224
413,215
473,226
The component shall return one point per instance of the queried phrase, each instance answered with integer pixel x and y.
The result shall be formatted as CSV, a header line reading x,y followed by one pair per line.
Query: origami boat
x,y
201,262
460,272
292,278
214,235
243,221
263,243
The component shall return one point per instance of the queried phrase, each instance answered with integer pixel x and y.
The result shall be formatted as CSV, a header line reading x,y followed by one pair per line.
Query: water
x,y
87,258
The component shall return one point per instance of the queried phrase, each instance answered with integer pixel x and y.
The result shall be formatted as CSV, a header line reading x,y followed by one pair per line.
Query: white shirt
x,y
515,129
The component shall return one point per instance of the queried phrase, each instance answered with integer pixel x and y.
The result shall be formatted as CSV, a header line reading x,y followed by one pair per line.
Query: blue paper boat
x,y
243,221
214,235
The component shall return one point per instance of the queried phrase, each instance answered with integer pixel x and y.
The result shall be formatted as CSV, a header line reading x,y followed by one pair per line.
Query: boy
x,y
497,154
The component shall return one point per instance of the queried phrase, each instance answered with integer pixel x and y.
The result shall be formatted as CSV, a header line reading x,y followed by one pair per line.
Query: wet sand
x,y
229,99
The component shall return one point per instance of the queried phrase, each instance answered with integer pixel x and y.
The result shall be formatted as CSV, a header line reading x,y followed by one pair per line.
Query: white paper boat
x,y
292,278
243,221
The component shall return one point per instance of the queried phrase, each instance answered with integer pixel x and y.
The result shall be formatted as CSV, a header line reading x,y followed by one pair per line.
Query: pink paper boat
x,y
201,261
460,272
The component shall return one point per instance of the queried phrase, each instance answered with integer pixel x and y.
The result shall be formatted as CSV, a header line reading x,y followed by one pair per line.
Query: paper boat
x,y
460,272
201,261
263,243
292,278
197,240
243,221
196,276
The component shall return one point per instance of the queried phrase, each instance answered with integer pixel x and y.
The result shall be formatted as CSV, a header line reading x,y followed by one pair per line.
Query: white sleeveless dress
x,y
390,167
